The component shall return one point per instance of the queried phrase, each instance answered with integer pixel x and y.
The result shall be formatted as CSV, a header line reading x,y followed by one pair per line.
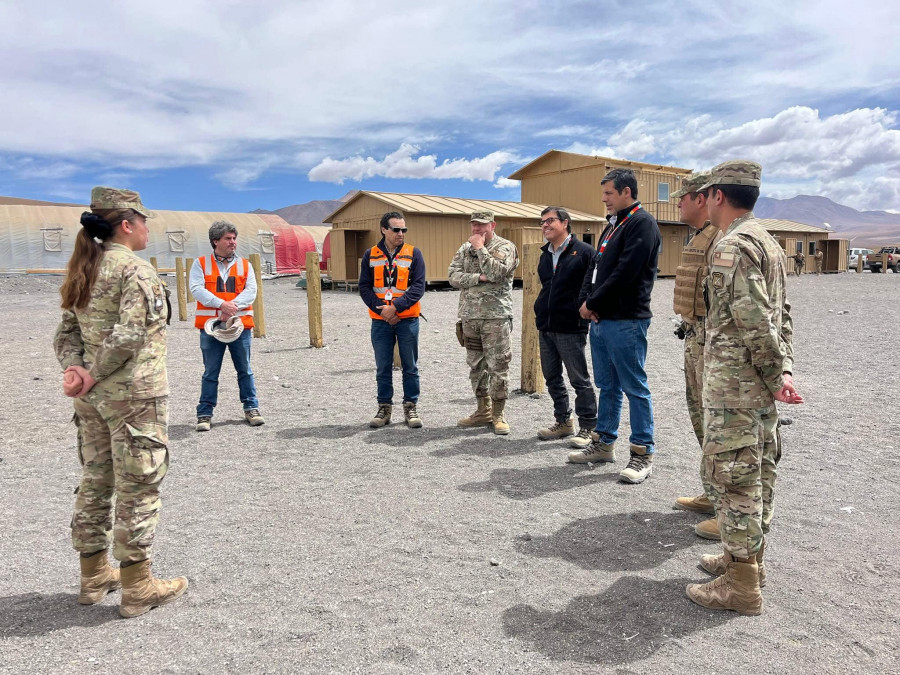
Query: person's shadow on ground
x,y
621,542
35,614
627,622
531,483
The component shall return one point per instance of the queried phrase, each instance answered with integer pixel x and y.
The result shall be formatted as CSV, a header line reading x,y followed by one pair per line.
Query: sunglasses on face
x,y
399,229
547,221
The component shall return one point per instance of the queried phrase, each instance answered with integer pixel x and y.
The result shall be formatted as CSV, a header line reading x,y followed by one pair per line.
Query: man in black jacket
x,y
563,333
617,301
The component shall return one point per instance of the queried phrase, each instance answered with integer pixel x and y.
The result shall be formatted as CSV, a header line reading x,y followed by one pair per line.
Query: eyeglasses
x,y
547,221
399,229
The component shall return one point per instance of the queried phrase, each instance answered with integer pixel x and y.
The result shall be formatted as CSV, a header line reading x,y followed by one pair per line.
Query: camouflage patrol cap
x,y
735,172
482,217
693,183
118,198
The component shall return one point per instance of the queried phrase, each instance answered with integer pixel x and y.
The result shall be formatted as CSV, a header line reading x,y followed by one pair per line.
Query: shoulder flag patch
x,y
725,256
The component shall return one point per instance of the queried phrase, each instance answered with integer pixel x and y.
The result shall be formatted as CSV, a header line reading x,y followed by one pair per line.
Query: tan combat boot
x,y
481,417
557,430
413,421
716,564
382,417
141,591
640,466
708,529
97,578
699,504
501,428
597,452
736,590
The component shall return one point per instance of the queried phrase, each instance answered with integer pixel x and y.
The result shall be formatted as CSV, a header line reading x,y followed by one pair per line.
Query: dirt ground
x,y
314,544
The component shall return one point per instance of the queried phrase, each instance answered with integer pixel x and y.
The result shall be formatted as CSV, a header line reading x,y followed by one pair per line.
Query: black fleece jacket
x,y
556,307
617,285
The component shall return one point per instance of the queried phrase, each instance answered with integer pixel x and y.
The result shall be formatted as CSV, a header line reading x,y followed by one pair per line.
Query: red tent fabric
x,y
326,251
292,243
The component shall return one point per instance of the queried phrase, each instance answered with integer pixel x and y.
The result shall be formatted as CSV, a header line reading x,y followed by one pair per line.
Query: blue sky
x,y
231,106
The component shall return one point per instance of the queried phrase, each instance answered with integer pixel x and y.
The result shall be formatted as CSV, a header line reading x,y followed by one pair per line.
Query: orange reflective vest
x,y
378,261
227,288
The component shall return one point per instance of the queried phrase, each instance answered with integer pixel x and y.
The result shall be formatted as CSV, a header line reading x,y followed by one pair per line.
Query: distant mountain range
x,y
310,213
865,228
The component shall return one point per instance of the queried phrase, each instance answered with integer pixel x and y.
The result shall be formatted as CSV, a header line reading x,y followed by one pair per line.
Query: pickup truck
x,y
893,252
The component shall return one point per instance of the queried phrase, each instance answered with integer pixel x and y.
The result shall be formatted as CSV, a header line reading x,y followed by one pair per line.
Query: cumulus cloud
x,y
851,157
403,163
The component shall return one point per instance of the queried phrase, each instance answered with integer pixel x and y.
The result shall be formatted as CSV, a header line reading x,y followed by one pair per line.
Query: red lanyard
x,y
616,227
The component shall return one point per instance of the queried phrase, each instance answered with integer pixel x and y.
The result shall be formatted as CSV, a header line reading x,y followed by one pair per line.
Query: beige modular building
x,y
573,179
437,226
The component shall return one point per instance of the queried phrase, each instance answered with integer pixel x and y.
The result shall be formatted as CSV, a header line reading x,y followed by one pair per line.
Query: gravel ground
x,y
314,544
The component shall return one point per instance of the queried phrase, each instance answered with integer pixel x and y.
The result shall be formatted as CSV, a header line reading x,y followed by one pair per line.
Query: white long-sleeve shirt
x,y
198,285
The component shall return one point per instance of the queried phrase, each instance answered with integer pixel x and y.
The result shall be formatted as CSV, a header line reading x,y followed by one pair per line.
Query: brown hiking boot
x,y
141,591
254,419
708,529
716,564
501,428
97,578
597,452
382,417
736,590
640,466
700,504
412,417
481,417
203,423
557,430
583,438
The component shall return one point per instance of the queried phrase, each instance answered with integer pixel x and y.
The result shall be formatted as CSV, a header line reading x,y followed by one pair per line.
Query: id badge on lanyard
x,y
391,281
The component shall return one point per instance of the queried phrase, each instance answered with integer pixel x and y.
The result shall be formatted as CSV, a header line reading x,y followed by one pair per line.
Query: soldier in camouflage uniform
x,y
748,359
820,258
799,260
111,343
483,268
696,259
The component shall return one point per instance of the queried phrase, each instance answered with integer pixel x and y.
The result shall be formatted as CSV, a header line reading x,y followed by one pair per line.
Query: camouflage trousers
x,y
798,268
741,451
693,376
818,267
489,367
123,448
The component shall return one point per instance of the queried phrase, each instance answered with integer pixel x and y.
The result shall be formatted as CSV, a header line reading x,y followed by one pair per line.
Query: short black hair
x,y
561,213
739,196
621,179
387,217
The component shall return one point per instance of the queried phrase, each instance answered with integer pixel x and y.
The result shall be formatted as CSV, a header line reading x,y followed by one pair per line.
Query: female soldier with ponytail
x,y
111,343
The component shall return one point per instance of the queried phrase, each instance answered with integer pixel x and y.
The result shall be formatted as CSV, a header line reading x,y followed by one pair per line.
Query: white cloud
x,y
503,182
403,163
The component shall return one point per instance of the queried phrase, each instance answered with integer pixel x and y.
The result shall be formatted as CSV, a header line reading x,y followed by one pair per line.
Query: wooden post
x,y
532,378
187,280
397,362
259,308
314,300
860,263
884,267
179,284
153,262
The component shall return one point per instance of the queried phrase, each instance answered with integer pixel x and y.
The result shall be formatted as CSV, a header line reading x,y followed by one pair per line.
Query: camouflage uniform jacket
x,y
120,337
497,260
748,323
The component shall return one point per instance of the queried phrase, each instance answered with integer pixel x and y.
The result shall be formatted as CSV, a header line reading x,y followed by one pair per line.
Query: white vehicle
x,y
854,258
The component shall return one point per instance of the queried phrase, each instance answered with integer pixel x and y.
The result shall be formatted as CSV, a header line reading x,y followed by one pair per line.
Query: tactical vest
x,y
691,273
378,261
227,289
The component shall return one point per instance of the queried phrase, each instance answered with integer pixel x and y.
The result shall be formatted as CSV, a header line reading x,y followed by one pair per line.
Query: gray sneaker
x,y
597,452
583,438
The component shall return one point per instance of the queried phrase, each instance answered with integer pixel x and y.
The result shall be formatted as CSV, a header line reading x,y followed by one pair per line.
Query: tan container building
x,y
437,226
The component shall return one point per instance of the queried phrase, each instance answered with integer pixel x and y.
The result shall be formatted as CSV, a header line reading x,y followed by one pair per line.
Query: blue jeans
x,y
567,349
213,352
406,335
618,353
